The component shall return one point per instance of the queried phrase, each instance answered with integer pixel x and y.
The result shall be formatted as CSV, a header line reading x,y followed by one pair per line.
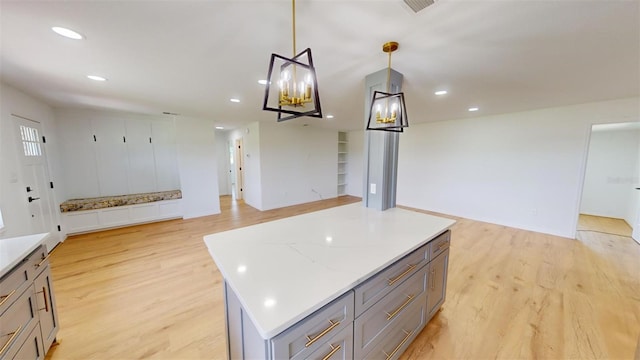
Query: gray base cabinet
x,y
377,319
28,318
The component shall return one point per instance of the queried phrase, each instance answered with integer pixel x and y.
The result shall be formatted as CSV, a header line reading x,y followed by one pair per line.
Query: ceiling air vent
x,y
417,5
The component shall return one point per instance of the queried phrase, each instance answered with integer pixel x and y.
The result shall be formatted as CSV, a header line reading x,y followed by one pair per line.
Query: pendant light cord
x,y
293,7
389,75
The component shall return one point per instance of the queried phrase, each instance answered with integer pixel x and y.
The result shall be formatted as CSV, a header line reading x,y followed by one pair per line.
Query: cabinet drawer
x,y
38,260
396,341
371,326
339,347
12,285
440,244
16,321
310,333
381,284
31,348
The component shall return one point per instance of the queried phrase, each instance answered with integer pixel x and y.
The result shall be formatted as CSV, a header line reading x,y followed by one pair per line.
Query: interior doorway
x,y
610,202
38,195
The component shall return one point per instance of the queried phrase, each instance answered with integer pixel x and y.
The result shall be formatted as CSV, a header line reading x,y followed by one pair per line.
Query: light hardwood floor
x,y
604,225
152,291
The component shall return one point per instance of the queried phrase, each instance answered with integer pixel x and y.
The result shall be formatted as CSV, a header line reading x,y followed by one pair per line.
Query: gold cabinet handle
x,y
389,356
433,279
393,314
13,336
46,303
395,279
324,332
442,244
6,297
334,349
42,261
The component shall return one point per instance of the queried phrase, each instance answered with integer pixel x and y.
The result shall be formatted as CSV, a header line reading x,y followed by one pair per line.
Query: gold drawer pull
x,y
43,260
13,336
333,351
389,356
6,297
443,244
323,333
393,314
46,303
395,279
46,257
433,279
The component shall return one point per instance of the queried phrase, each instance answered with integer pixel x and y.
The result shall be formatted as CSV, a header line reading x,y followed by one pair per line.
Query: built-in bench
x,y
90,214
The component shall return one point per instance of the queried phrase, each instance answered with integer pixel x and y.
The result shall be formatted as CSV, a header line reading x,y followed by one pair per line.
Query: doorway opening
x,y
610,200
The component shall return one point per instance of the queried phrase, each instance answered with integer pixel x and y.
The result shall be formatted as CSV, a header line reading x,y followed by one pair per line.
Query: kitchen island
x,y
28,316
346,282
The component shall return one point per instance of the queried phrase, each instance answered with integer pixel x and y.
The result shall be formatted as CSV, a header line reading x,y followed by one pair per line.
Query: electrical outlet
x,y
372,188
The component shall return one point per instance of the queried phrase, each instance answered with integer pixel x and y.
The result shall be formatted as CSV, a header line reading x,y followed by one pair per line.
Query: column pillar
x,y
380,148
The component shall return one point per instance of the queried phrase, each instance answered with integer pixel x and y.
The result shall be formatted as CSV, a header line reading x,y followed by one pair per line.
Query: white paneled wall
x,y
106,153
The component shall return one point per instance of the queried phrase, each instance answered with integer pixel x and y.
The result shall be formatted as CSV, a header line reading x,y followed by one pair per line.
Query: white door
x,y
37,190
239,169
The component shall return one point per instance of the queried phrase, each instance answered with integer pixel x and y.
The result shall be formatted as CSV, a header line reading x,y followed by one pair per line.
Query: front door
x,y
37,190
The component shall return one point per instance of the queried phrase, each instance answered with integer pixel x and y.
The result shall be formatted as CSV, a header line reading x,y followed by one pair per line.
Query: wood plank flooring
x,y
152,291
604,225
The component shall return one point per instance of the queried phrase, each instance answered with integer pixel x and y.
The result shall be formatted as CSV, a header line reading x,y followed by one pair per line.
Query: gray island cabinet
x,y
28,317
343,283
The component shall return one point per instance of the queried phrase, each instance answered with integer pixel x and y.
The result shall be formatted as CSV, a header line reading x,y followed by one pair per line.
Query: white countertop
x,y
14,250
286,269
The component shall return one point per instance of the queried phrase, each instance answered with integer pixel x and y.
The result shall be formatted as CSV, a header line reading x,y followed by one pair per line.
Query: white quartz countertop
x,y
286,269
14,250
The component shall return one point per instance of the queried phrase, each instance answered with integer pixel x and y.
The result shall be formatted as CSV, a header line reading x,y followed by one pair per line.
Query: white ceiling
x,y
191,57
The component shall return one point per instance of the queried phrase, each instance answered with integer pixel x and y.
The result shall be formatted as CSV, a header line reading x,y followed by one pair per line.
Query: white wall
x,y
222,159
523,169
299,164
12,187
611,174
198,169
355,162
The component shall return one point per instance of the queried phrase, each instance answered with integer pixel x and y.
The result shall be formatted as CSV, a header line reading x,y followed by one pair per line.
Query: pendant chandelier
x,y
292,86
388,111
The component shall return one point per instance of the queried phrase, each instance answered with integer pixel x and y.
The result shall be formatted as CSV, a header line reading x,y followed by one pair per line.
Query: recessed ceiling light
x,y
441,92
219,127
234,100
262,82
473,109
68,33
329,116
96,78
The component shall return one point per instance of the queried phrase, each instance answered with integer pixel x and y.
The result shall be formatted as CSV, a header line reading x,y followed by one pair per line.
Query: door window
x,y
30,141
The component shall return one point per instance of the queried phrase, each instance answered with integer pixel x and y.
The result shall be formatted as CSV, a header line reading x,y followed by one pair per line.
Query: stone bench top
x,y
120,200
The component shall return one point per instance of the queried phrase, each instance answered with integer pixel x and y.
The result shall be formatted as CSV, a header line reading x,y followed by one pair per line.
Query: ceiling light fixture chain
x,y
293,12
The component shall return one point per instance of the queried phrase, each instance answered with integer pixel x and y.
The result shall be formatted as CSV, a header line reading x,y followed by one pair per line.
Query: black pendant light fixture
x,y
388,111
292,86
